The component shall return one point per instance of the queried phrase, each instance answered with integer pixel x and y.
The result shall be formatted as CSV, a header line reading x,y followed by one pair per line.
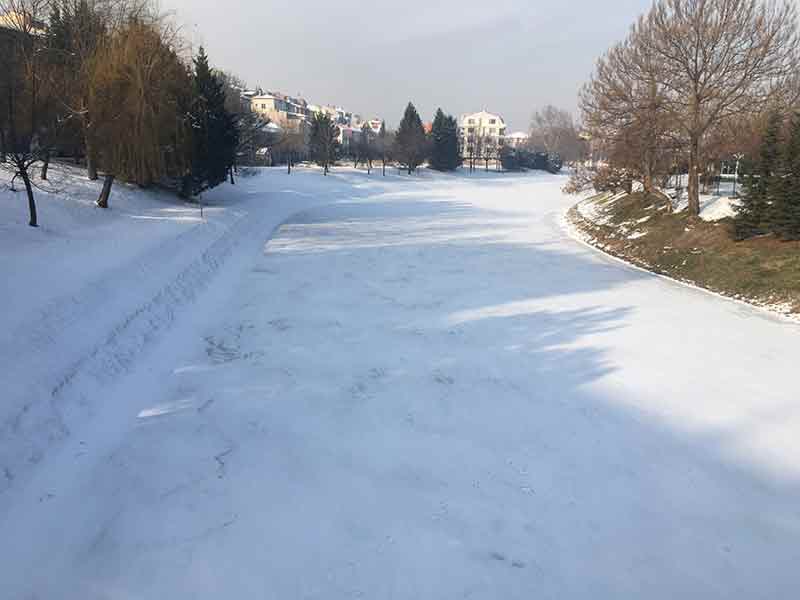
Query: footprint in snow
x,y
443,379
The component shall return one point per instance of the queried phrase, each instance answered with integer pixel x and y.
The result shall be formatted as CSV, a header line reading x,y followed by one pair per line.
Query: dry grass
x,y
641,229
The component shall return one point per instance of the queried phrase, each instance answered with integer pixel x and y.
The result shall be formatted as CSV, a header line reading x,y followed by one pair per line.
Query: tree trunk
x,y
102,201
233,181
91,160
45,165
186,187
34,222
384,166
649,188
694,178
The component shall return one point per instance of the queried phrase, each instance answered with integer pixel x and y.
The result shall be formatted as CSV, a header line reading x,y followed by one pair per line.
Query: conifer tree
x,y
787,209
755,214
445,155
214,134
411,142
452,144
439,141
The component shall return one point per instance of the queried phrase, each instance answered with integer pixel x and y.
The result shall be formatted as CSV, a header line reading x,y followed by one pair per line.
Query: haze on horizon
x,y
512,58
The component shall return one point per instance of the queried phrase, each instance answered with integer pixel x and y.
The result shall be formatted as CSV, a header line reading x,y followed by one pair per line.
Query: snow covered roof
x,y
482,116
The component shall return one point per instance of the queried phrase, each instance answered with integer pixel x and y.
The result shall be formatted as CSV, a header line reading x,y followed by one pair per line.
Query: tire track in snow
x,y
38,412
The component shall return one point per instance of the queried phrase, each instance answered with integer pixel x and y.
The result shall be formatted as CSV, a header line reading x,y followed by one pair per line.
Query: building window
x,y
471,121
492,121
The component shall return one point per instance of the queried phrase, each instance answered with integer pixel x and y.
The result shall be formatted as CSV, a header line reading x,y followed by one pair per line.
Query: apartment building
x,y
482,133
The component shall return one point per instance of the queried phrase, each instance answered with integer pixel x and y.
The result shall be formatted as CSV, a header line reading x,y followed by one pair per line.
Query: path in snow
x,y
430,391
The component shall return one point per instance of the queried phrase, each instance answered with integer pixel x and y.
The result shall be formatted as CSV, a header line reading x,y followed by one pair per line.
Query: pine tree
x,y
411,142
787,209
452,144
756,213
214,133
439,141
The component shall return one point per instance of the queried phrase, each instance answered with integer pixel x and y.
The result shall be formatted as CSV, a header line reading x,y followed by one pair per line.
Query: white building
x,y
482,133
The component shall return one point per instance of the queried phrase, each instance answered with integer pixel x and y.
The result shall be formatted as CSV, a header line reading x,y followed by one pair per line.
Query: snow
x,y
351,386
713,207
595,207
716,208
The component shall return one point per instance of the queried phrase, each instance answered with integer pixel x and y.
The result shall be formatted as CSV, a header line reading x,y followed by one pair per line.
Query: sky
x,y
509,57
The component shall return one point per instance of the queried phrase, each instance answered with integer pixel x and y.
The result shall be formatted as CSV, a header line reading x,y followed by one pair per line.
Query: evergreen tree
x,y
452,147
410,144
787,206
439,141
324,144
756,213
214,133
445,154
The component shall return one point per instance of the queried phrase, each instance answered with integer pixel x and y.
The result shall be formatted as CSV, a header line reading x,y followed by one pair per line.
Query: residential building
x,y
482,133
292,114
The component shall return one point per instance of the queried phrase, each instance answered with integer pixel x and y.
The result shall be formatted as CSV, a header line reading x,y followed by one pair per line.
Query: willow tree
x,y
142,96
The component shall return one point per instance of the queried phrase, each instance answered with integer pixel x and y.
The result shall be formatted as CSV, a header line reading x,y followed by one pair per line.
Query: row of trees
x,y
555,138
686,85
107,82
409,146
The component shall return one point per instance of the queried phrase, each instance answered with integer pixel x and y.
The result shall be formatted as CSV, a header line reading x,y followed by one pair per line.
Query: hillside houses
x,y
293,114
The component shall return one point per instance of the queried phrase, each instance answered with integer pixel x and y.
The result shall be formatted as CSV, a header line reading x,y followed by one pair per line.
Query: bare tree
x,y
365,146
294,145
553,130
624,111
24,97
718,60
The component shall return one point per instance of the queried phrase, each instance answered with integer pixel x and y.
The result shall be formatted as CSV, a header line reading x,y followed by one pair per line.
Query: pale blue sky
x,y
508,56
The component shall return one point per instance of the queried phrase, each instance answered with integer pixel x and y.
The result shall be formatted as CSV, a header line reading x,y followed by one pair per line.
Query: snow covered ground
x,y
354,387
